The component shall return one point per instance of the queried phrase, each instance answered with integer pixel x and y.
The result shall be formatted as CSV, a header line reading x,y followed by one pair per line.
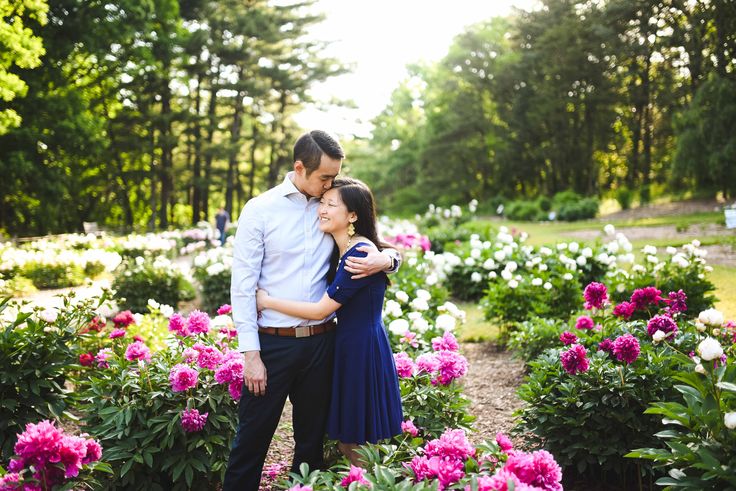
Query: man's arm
x,y
387,260
248,249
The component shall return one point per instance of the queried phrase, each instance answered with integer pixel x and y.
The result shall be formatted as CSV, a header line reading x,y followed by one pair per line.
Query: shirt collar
x,y
287,188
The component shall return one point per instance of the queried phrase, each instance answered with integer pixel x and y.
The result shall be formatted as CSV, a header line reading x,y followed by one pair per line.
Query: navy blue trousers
x,y
300,368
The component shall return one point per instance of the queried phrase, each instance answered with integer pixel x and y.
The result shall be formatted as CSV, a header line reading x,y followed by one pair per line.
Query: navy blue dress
x,y
366,401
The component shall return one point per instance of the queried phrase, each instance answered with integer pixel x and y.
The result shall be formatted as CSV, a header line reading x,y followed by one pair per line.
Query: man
x,y
222,218
279,247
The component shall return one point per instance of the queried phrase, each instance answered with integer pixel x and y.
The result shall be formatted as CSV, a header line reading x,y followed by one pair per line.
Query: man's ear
x,y
299,167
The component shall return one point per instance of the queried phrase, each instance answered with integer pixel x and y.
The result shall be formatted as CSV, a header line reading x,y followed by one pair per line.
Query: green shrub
x,y
624,196
53,275
138,280
522,210
36,356
93,269
531,338
215,289
582,209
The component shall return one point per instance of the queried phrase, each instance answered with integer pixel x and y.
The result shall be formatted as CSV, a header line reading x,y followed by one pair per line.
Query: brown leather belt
x,y
299,332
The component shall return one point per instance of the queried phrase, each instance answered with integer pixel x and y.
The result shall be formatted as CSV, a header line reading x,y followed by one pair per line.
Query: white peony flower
x,y
446,322
393,308
166,310
609,229
537,282
513,284
398,326
475,253
476,277
573,247
649,250
419,304
671,250
137,319
402,296
710,349
469,261
489,264
423,294
711,317
499,255
492,275
729,419
547,285
567,276
658,336
506,274
420,324
699,368
49,315
153,304
431,279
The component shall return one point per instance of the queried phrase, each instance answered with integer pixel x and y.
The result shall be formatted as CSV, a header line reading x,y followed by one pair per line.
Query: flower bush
x,y
140,279
46,457
212,270
37,355
604,378
165,418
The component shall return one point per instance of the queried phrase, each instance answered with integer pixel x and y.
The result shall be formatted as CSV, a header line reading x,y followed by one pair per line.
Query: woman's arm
x,y
305,310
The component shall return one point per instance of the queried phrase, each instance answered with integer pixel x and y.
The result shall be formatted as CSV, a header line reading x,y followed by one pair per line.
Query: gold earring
x,y
351,230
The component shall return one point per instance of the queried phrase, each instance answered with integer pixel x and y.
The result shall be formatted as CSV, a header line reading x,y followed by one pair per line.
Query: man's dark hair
x,y
310,147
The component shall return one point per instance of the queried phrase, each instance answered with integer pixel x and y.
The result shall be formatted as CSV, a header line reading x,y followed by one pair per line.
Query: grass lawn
x,y
725,280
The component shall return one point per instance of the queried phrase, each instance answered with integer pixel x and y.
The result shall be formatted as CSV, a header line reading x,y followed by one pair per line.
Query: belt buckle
x,y
301,332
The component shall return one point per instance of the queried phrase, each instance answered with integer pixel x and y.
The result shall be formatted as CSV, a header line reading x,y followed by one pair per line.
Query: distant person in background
x,y
222,218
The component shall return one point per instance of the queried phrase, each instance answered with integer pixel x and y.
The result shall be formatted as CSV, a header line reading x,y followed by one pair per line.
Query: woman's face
x,y
334,216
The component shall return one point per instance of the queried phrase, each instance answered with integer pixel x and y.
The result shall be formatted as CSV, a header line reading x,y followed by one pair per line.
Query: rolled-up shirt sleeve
x,y
248,249
396,255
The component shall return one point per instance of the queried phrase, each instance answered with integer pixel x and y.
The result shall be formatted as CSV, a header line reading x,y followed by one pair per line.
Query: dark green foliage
x,y
36,357
529,339
135,284
54,275
215,290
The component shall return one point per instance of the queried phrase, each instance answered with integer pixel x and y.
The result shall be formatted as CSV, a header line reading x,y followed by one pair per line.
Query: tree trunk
x,y
197,163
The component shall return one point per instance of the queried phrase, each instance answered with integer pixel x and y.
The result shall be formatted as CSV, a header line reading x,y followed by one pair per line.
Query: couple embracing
x,y
308,280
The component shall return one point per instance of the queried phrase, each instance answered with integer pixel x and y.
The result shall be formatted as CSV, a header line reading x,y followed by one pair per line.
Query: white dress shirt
x,y
278,247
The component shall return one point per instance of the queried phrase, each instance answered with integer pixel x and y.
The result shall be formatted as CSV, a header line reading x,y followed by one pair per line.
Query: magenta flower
x,y
356,474
224,309
235,389
190,355
644,297
451,444
410,338
574,359
596,296
446,342
584,323
231,370
536,469
504,442
626,348
568,338
606,345
272,471
676,302
117,333
124,319
404,365
192,421
86,359
137,351
662,323
182,377
499,482
446,471
299,487
198,322
452,365
408,427
209,356
624,310
177,325
427,362
93,453
10,482
39,444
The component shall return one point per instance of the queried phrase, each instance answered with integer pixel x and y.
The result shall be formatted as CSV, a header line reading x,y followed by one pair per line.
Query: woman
x,y
366,402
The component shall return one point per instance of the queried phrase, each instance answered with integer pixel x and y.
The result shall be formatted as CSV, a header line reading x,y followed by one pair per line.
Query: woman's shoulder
x,y
361,241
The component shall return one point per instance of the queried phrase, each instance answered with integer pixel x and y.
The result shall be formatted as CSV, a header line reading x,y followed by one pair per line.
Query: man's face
x,y
318,181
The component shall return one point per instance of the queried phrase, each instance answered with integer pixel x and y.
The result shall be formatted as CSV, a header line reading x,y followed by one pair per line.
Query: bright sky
x,y
379,38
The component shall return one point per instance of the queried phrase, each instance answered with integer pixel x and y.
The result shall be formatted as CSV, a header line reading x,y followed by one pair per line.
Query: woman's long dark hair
x,y
358,199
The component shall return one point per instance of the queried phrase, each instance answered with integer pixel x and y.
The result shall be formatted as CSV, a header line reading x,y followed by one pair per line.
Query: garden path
x,y
491,383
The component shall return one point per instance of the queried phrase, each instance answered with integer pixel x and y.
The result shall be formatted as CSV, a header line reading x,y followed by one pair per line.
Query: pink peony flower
x,y
190,355
504,442
574,359
102,356
231,370
198,322
452,365
71,452
192,420
356,474
235,389
410,338
408,427
662,323
117,333
447,342
272,471
596,296
624,310
177,325
123,319
39,444
10,482
182,377
137,351
299,487
676,302
626,348
644,297
427,362
451,444
208,357
96,324
404,365
86,359
606,345
568,338
94,452
584,323
224,309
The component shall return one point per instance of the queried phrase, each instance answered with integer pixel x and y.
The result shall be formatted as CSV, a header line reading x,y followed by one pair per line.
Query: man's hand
x,y
261,299
373,263
254,373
